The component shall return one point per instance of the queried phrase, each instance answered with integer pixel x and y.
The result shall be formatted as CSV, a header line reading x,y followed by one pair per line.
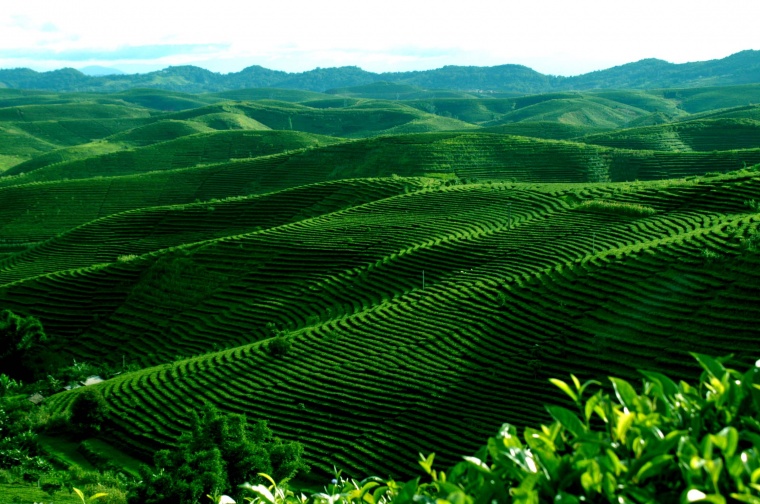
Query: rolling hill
x,y
182,171
378,271
521,282
698,135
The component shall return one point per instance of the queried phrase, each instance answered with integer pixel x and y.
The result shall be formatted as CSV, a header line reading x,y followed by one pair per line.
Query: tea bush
x,y
667,443
619,208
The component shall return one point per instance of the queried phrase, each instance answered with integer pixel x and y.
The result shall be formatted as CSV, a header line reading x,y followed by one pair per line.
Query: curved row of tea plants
x,y
373,356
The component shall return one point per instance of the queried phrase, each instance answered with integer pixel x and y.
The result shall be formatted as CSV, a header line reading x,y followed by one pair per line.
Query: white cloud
x,y
553,36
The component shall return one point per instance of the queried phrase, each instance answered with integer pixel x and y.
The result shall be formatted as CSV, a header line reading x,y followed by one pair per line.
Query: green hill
x,y
580,111
374,277
63,203
18,146
521,282
70,132
701,135
140,136
736,69
201,148
146,230
549,130
264,93
158,99
160,131
229,121
359,119
64,155
745,112
650,100
710,98
393,91
83,110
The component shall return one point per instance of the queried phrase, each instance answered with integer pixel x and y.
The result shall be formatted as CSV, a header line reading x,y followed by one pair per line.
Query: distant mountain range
x,y
739,68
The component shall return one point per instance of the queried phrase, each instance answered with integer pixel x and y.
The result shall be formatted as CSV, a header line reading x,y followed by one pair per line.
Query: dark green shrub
x,y
51,487
88,411
18,336
217,453
279,345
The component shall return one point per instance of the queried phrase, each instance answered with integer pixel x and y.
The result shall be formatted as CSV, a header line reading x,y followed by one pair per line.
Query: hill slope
x,y
700,135
74,193
399,289
520,282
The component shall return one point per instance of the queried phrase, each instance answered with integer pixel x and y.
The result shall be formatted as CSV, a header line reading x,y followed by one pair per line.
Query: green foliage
x,y
217,452
280,343
88,411
668,443
18,335
91,498
7,384
615,207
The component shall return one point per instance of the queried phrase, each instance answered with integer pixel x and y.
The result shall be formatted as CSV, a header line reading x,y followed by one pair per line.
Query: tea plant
x,y
668,443
614,207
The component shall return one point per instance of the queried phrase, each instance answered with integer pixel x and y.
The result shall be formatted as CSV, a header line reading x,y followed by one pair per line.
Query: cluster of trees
x,y
19,335
217,454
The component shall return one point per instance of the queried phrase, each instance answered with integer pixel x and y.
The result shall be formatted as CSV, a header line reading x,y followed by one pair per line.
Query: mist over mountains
x,y
740,68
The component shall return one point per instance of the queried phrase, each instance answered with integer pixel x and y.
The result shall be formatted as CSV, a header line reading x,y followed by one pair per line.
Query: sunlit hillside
x,y
380,270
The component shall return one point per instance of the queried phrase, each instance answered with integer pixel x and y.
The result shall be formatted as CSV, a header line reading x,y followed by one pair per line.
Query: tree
x,y
7,384
18,335
217,454
88,411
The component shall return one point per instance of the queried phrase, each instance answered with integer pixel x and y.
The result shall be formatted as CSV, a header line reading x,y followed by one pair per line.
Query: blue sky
x,y
554,37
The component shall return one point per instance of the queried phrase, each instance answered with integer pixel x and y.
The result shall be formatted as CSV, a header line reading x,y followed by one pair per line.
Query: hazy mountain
x,y
739,68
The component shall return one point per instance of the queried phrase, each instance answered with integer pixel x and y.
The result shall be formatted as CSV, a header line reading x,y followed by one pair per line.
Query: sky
x,y
557,37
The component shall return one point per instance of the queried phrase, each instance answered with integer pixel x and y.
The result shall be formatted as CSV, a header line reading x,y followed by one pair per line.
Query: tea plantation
x,y
377,272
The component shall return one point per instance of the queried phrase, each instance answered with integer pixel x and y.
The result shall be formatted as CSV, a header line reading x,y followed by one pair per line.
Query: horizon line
x,y
123,73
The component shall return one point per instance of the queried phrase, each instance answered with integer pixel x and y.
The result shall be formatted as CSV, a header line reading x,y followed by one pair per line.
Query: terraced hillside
x,y
698,135
361,119
374,286
186,151
50,200
520,282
